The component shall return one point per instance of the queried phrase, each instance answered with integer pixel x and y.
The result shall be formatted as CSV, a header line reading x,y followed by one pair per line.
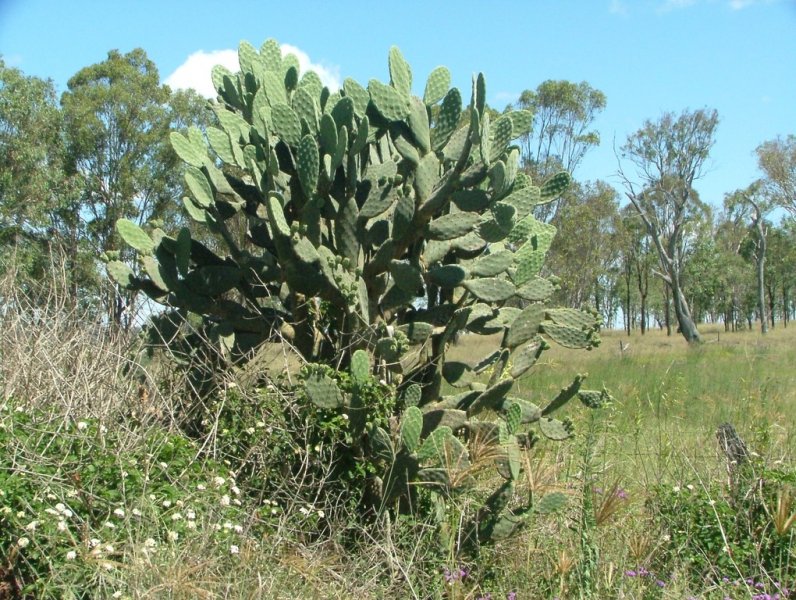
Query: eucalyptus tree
x,y
561,133
117,117
777,159
668,156
584,257
750,205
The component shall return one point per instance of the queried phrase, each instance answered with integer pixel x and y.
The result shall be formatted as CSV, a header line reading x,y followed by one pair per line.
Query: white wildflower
x,y
71,555
191,524
23,542
224,500
110,525
173,536
81,425
150,543
166,503
201,487
32,526
233,549
136,512
176,516
219,481
119,512
238,529
61,526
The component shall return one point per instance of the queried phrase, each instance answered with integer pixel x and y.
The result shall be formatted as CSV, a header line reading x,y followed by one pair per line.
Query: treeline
x,y
649,254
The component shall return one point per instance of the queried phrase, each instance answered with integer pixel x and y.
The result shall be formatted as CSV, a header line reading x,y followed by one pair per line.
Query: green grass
x,y
653,454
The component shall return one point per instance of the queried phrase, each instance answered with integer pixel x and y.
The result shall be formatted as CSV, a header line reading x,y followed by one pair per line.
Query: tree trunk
x,y
761,290
683,313
667,314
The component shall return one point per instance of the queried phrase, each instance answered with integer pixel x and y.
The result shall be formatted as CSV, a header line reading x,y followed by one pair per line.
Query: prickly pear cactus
x,y
376,224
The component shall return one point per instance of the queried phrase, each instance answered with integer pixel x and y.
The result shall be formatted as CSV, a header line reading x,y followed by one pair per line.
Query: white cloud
x,y
195,71
617,7
329,74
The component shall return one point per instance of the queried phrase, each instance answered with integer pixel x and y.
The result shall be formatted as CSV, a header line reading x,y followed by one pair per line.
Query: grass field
x,y
101,496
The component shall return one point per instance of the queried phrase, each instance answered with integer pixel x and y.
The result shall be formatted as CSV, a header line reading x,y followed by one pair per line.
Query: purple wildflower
x,y
660,584
630,573
511,596
621,494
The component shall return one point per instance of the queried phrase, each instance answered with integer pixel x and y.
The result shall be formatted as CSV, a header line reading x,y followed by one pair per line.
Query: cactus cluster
x,y
377,222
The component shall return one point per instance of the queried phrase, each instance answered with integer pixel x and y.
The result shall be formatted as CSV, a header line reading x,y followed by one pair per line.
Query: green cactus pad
x,y
479,94
406,276
500,135
434,419
271,55
435,251
343,112
311,82
553,429
492,265
217,75
468,245
306,107
308,164
471,200
411,426
381,444
417,331
199,186
452,226
565,395
447,119
490,289
360,366
134,236
418,124
402,217
406,149
426,176
437,85
485,136
524,357
328,134
458,374
323,392
491,398
379,200
525,326
358,95
286,123
555,186
513,416
400,72
523,200
182,254
447,276
521,121
121,273
536,290
572,317
433,478
219,142
569,337
411,395
434,446
212,280
551,503
390,103
190,149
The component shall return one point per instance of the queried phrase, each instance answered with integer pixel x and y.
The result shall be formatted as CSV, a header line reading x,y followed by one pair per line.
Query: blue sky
x,y
647,56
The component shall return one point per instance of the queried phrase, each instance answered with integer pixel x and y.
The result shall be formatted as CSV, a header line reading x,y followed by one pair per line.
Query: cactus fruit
x,y
359,203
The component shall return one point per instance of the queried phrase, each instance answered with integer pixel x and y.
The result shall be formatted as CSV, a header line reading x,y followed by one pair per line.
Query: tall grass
x,y
60,369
